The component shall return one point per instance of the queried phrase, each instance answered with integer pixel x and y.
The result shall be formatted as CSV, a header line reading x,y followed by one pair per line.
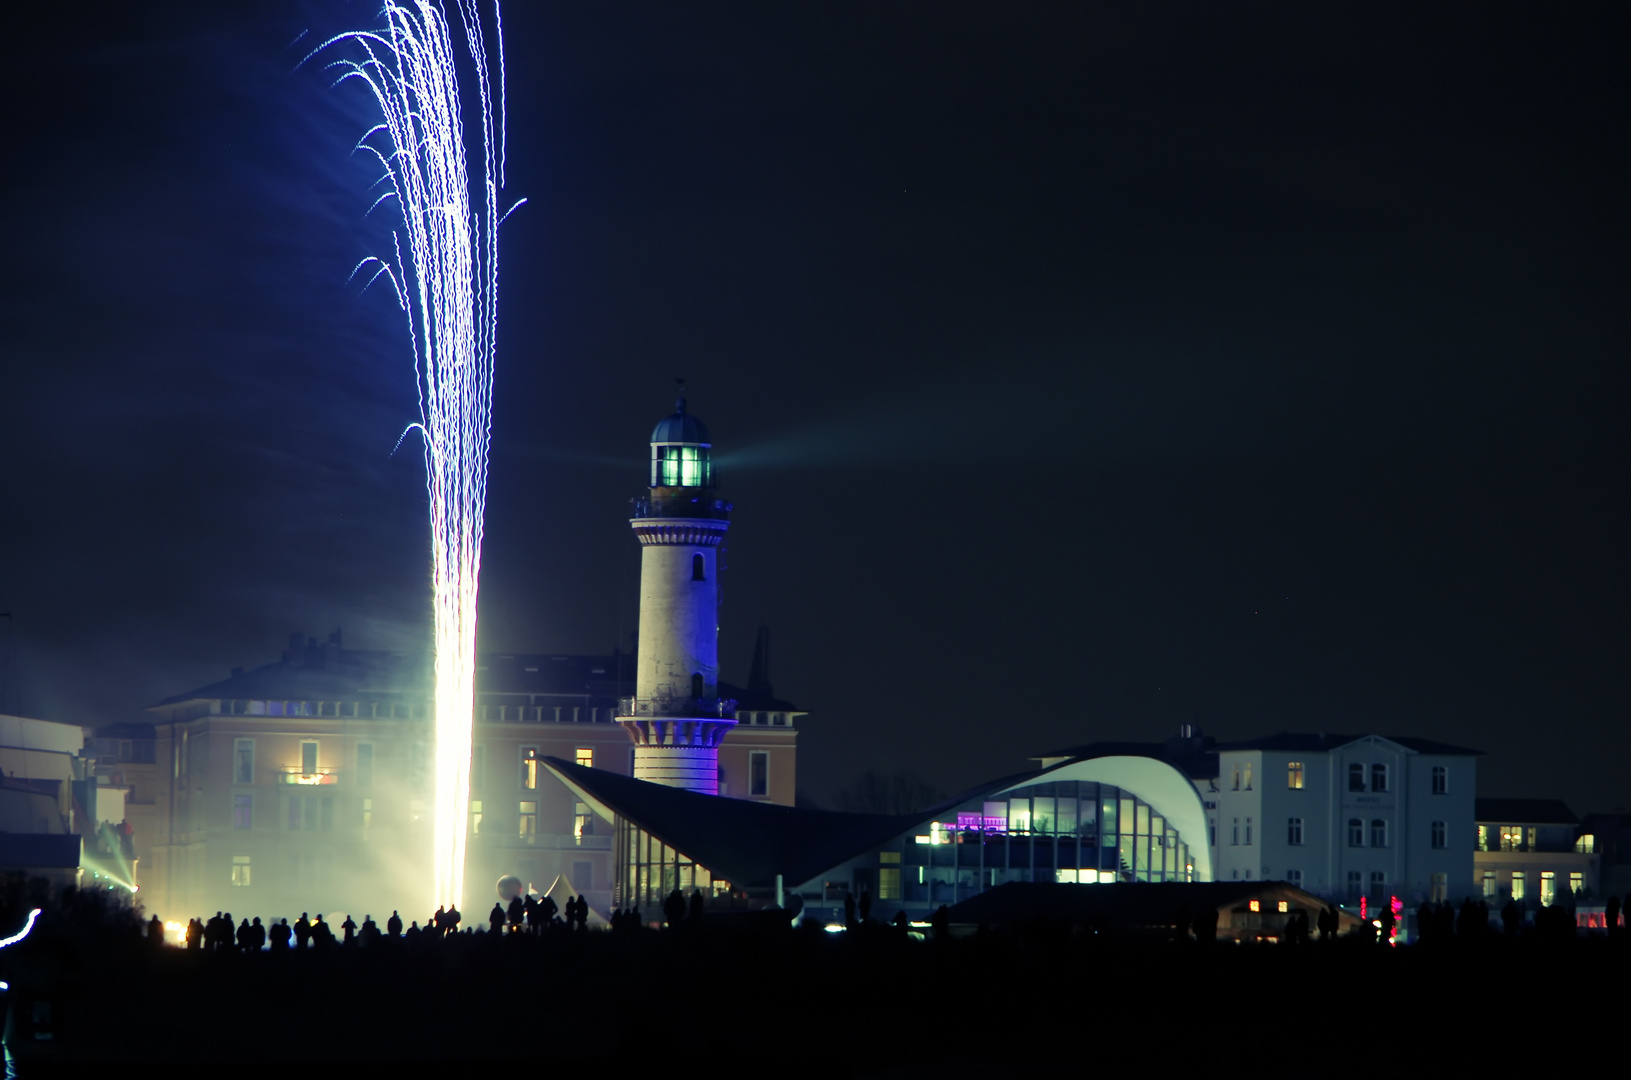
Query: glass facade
x,y
647,870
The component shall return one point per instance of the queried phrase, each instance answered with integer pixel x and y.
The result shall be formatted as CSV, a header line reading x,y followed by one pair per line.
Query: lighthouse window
x,y
682,466
698,568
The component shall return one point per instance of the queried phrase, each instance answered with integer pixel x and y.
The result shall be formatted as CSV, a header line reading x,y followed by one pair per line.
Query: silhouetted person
x,y
321,934
413,933
195,933
302,931
393,925
368,935
453,917
583,913
439,921
940,923
495,919
517,912
698,906
257,935
849,910
349,928
674,909
547,908
1389,921
865,905
281,935
1611,915
155,931
245,936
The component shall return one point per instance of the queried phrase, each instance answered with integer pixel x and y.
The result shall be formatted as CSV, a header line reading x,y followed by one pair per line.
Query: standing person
x,y
529,911
245,936
849,910
495,919
453,918
546,910
439,921
195,933
369,934
155,931
281,935
393,925
349,928
518,911
321,935
257,935
302,931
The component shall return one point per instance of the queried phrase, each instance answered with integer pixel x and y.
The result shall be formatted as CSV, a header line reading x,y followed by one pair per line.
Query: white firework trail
x,y
448,286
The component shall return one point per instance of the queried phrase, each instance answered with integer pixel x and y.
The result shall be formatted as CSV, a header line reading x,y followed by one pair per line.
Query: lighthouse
x,y
676,717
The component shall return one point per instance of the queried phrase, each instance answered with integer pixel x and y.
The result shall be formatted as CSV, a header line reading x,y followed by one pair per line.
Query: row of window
x,y
315,813
1438,833
1240,777
385,710
1519,885
243,765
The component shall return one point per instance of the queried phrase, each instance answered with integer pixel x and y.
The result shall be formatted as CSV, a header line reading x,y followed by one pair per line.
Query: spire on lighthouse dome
x,y
680,449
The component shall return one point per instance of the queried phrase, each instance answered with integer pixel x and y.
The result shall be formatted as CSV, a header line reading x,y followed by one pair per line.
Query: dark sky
x,y
1077,371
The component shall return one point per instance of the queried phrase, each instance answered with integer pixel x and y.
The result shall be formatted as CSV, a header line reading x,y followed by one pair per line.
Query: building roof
x,y
745,843
681,427
1196,757
326,672
1523,812
1294,741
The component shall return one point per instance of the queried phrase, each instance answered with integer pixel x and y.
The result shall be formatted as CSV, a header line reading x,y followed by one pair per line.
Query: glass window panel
x,y
1107,824
1042,815
1143,815
1019,815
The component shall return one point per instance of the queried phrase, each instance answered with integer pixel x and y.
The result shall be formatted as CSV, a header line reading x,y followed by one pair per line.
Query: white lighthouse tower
x,y
676,717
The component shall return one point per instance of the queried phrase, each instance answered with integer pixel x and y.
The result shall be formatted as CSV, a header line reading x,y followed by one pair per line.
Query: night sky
x,y
1077,371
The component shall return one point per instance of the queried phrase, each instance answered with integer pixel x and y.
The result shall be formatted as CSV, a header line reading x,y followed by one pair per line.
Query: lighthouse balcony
x,y
710,708
681,503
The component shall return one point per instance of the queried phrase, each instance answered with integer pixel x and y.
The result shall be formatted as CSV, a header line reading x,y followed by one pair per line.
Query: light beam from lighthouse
x,y
676,717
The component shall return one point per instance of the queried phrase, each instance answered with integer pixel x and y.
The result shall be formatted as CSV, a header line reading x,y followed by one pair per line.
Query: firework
x,y
447,283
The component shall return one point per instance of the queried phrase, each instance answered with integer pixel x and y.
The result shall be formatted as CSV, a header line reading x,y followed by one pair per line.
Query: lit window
x,y
1548,888
1294,775
1235,776
1247,774
1441,780
759,773
1356,832
1483,838
889,883
1356,777
1511,837
1519,886
243,761
583,822
242,808
1248,832
308,759
1532,846
1378,833
240,870
1294,831
529,768
1378,777
1439,832
1282,907
528,815
475,817
1254,905
365,764
1577,882
1490,888
586,756
1586,845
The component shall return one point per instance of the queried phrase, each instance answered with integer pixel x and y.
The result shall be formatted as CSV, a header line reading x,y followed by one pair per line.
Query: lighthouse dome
x,y
681,427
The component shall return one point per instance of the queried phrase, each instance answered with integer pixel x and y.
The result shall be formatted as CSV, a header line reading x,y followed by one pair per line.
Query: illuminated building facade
x,y
1534,853
1113,818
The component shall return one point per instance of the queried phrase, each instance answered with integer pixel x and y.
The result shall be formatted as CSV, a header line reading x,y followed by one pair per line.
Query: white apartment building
x,y
1345,816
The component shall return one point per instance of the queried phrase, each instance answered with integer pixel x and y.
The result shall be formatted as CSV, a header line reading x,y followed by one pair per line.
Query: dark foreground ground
x,y
798,1002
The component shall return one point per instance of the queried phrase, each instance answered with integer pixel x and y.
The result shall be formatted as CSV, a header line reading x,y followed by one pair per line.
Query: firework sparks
x,y
448,286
